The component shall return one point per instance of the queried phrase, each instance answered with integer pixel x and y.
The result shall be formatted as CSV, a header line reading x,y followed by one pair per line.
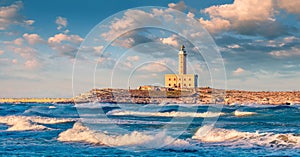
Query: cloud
x,y
61,22
239,71
17,42
172,40
291,6
181,6
9,15
215,24
29,54
190,15
14,61
59,38
131,19
33,38
31,64
25,52
98,49
246,17
133,58
66,45
105,62
235,46
294,51
154,67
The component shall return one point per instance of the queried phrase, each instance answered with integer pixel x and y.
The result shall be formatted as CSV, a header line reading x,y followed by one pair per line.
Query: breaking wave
x,y
164,114
80,133
231,137
243,113
25,123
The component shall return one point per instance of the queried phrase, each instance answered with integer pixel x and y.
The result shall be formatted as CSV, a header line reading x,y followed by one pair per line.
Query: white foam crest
x,y
23,123
233,137
243,113
94,105
80,133
51,107
164,114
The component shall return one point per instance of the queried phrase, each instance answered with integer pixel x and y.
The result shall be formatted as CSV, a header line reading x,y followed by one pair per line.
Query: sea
x,y
109,129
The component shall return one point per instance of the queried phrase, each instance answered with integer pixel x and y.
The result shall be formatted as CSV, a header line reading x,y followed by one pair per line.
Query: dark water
x,y
148,130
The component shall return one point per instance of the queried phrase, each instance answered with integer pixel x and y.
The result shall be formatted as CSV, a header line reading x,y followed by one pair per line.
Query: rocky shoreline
x,y
166,96
197,96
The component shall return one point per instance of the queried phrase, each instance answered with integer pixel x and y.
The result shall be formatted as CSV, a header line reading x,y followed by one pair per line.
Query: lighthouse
x,y
182,79
182,60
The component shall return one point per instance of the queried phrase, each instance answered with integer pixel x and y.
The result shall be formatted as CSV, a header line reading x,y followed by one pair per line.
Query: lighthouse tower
x,y
182,60
182,79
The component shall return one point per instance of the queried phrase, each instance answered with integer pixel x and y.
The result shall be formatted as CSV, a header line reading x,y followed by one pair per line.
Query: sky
x,y
39,40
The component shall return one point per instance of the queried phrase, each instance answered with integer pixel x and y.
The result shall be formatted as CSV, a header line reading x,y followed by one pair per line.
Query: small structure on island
x,y
181,80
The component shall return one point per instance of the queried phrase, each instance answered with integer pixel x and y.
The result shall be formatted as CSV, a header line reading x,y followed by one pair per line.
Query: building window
x,y
184,85
179,85
190,79
169,79
184,79
190,85
174,79
169,85
179,79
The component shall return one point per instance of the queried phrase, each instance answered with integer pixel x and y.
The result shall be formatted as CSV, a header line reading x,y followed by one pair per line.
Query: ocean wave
x,y
164,114
25,123
80,133
231,137
94,105
243,113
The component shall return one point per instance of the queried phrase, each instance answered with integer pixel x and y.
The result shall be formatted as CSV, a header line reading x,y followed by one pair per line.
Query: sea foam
x,y
23,123
243,113
231,137
164,114
80,133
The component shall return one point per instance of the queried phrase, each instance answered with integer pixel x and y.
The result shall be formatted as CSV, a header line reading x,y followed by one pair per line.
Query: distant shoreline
x,y
150,96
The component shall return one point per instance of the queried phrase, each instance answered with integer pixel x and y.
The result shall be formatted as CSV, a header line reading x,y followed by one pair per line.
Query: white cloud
x,y
239,71
131,18
9,15
31,64
286,53
290,39
105,62
133,58
191,15
61,22
25,52
33,38
17,42
29,22
28,54
14,61
172,40
154,67
178,6
291,6
240,16
58,38
235,46
98,49
66,45
215,24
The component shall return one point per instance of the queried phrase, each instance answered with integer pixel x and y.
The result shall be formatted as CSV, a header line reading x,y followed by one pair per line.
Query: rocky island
x,y
162,95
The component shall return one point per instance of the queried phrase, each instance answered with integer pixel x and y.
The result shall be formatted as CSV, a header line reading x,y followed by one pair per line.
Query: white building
x,y
181,80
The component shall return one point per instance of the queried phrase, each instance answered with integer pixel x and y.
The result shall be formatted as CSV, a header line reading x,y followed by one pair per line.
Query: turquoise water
x,y
148,130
